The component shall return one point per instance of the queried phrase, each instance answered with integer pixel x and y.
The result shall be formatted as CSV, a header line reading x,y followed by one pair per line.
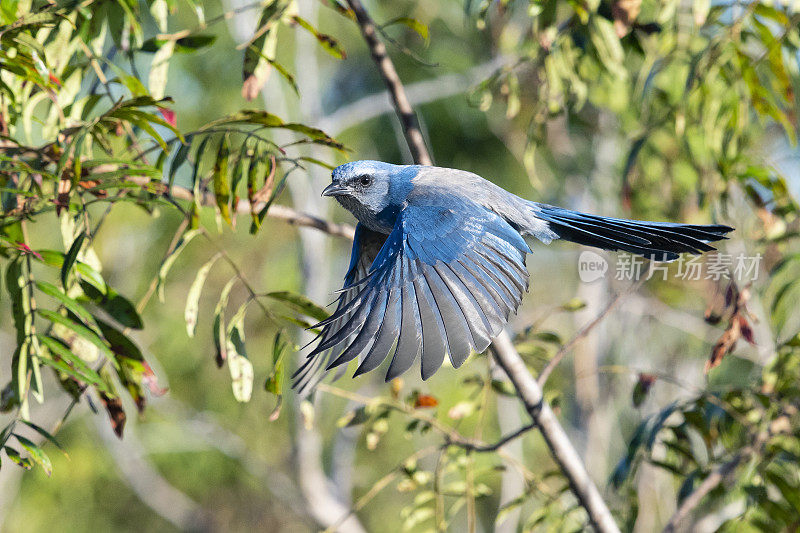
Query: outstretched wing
x,y
366,245
445,281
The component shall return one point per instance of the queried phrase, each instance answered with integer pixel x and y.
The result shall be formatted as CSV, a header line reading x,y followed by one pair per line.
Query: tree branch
x,y
554,435
714,479
405,112
279,212
506,355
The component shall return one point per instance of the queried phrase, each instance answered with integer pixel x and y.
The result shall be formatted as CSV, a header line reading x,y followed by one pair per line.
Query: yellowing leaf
x,y
157,81
193,298
170,260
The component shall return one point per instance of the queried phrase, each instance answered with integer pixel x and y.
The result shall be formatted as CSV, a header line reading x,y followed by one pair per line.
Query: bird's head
x,y
370,190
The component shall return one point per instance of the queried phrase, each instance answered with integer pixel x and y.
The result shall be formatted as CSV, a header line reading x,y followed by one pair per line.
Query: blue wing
x,y
366,245
444,282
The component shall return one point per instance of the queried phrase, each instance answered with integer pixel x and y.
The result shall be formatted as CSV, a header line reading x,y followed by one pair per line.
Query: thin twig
x,y
279,212
379,485
712,481
476,446
585,330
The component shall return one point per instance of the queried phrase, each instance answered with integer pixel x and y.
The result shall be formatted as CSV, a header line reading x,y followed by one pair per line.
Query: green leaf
x,y
639,394
14,455
274,383
191,43
222,183
548,336
180,158
121,309
170,260
220,337
268,120
71,257
113,303
275,380
91,276
7,432
328,43
71,304
69,363
80,330
787,487
420,28
132,83
503,387
285,74
300,303
193,298
36,453
122,346
607,45
261,50
575,304
318,162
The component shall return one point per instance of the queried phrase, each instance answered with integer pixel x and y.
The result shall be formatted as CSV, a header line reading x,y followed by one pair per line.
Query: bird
x,y
438,264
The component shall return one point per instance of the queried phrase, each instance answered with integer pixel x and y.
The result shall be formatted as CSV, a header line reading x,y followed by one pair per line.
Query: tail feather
x,y
659,241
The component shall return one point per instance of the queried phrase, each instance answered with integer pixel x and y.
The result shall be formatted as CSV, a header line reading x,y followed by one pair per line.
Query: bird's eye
x,y
365,180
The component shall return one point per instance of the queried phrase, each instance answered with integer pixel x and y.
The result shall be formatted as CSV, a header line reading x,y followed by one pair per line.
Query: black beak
x,y
334,189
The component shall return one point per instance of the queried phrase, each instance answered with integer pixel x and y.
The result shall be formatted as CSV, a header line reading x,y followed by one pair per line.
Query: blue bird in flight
x,y
438,263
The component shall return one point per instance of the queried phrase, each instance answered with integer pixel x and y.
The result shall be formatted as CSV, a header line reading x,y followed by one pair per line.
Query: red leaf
x,y
747,331
149,379
646,380
115,412
25,249
54,79
723,346
169,116
730,295
425,401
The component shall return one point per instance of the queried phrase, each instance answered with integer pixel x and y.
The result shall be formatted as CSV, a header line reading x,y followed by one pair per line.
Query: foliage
x,y
80,135
695,96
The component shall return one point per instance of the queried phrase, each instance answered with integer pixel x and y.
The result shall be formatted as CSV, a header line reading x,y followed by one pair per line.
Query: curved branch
x,y
405,112
554,435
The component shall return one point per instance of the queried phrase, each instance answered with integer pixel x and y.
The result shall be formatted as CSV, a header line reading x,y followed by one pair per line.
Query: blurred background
x,y
637,113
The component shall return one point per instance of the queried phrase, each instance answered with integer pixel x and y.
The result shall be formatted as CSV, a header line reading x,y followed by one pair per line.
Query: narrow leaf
x,y
193,298
15,457
80,330
170,260
36,453
71,257
157,81
222,182
300,303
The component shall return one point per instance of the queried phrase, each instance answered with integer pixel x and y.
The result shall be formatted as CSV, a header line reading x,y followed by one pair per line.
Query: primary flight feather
x,y
438,263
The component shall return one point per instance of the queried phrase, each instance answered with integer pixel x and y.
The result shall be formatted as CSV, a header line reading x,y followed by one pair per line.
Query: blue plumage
x,y
438,263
